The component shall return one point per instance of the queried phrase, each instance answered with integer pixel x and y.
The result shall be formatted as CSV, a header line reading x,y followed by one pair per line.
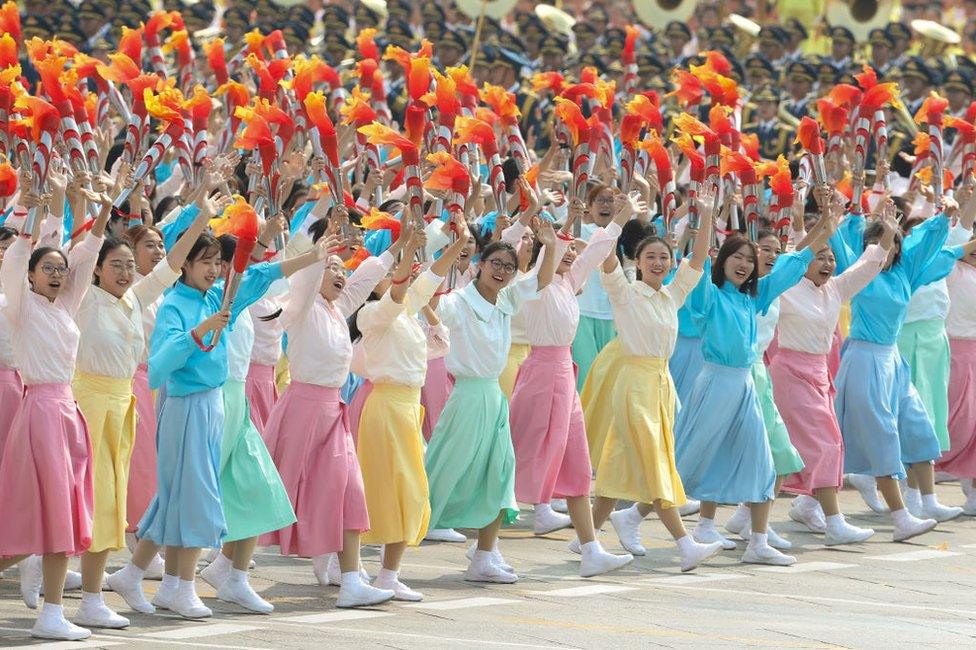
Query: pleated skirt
x,y
308,438
11,395
722,449
142,465
592,335
517,354
46,493
551,454
254,498
925,347
881,415
110,411
786,459
470,461
960,460
391,456
438,385
638,458
355,409
187,510
803,390
262,393
595,398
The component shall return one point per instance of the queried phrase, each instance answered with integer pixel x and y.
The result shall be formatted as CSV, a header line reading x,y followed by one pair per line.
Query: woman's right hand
x,y
216,322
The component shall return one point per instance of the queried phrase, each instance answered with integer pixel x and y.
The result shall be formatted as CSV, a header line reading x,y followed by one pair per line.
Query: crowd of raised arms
x,y
299,277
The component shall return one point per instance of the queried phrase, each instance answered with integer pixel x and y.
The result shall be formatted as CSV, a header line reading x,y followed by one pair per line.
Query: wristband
x,y
394,281
565,236
442,293
199,341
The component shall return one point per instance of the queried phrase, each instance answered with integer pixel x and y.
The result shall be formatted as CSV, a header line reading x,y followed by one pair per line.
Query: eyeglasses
x,y
52,270
121,267
504,267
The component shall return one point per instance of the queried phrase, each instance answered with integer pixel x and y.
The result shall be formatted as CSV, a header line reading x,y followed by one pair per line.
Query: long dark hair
x,y
647,241
108,245
39,253
873,234
731,246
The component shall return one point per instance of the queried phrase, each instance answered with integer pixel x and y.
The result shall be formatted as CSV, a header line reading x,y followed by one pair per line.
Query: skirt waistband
x,y
397,391
875,348
934,326
102,384
9,374
647,363
56,391
729,371
963,345
551,352
808,358
314,391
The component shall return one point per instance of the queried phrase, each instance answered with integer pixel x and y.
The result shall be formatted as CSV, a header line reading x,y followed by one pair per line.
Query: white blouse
x,y
267,333
647,320
113,336
43,333
319,349
961,323
6,346
240,341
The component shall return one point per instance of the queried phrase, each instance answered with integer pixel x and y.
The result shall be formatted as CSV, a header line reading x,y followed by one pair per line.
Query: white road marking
x,y
589,590
201,631
912,556
333,617
70,645
806,567
692,578
446,639
463,603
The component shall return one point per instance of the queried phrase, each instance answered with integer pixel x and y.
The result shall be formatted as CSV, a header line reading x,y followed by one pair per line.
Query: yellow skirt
x,y
518,353
595,397
637,463
845,320
391,457
282,374
109,408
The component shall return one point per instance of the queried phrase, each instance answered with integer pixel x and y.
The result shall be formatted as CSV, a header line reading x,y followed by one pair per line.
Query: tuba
x,y
859,16
658,13
748,31
935,40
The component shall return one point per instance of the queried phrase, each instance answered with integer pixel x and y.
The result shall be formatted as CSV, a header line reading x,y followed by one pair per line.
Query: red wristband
x,y
199,341
394,281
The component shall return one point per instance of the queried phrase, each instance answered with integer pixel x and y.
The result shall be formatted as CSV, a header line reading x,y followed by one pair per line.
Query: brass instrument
x,y
492,8
935,39
859,16
787,116
555,19
658,13
748,34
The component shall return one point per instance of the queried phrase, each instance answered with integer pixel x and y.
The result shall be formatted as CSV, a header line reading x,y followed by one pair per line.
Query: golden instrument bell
x,y
859,16
493,8
555,19
658,13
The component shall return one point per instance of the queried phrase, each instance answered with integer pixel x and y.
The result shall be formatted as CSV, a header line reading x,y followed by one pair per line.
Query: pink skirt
x,y
142,467
308,437
960,460
262,393
11,394
804,395
433,396
552,457
46,494
833,359
356,408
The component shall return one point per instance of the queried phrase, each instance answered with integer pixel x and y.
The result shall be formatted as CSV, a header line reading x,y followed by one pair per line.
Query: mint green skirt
x,y
592,335
925,347
786,459
470,460
254,499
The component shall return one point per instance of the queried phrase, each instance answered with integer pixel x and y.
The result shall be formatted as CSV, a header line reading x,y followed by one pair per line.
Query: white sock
x,y
686,543
387,576
591,548
92,598
634,515
542,507
236,575
186,587
482,558
222,562
758,539
706,523
350,580
930,500
170,582
835,520
913,493
132,572
50,610
902,517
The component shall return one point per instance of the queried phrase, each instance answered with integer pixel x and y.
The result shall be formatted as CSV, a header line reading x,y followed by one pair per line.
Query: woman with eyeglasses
x,y
47,512
470,461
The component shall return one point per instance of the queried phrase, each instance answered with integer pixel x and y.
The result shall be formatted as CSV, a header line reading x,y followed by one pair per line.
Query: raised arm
x,y
787,271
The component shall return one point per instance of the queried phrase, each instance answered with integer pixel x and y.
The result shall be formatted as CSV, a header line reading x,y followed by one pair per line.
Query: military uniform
x,y
775,136
801,107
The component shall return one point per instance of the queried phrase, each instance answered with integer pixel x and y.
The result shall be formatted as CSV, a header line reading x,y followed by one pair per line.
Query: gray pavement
x,y
875,595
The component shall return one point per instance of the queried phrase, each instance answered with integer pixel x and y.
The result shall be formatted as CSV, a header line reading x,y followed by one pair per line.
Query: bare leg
x,y
760,515
349,555
488,535
228,550
55,567
171,562
645,509
891,491
243,552
7,562
827,497
582,517
92,570
144,553
186,559
602,507
393,555
708,510
671,519
924,474
779,484
910,479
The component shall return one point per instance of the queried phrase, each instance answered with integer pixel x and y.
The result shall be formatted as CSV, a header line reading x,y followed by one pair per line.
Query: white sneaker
x,y
156,568
560,505
163,598
496,557
56,626
483,569
596,561
236,589
912,527
740,520
445,535
95,613
574,547
772,538
127,582
913,501
766,554
627,524
187,604
708,535
546,520
400,590
807,511
844,533
321,567
868,488
216,573
31,580
690,507
211,555
356,593
72,580
694,554
940,512
969,508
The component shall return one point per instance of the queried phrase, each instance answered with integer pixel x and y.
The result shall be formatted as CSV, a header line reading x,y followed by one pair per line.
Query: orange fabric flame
x,y
444,96
924,175
415,123
464,82
571,115
648,111
688,88
551,81
418,78
502,103
49,70
217,59
845,95
921,142
471,130
237,93
130,42
932,109
8,51
628,55
659,154
257,131
966,130
157,23
877,97
781,182
366,44
357,109
41,116
239,220
121,68
448,173
808,135
867,78
833,117
359,256
254,41
179,42
750,144
308,72
10,20
687,123
630,128
577,91
378,220
165,105
382,135
719,119
734,162
199,105
8,180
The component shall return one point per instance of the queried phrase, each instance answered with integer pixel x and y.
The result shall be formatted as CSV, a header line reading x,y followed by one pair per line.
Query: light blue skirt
x,y
881,415
685,364
721,447
187,510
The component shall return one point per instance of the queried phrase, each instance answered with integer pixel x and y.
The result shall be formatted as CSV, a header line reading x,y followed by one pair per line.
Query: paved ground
x,y
875,595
